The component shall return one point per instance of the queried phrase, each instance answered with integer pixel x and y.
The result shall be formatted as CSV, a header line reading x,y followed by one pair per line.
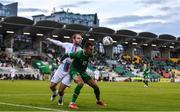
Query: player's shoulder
x,y
80,48
80,52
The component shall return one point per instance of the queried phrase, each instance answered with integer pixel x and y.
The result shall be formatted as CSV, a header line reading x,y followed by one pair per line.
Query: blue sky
x,y
157,16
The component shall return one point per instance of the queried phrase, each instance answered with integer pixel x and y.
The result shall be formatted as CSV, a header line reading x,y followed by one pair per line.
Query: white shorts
x,y
59,76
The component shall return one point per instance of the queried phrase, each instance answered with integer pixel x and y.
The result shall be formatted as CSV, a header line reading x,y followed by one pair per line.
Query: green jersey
x,y
146,73
80,61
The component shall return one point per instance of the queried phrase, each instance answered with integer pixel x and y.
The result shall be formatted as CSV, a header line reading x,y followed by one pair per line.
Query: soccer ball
x,y
107,40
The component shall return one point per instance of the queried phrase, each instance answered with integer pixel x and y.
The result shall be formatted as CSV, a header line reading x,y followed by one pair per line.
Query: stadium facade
x,y
70,18
8,10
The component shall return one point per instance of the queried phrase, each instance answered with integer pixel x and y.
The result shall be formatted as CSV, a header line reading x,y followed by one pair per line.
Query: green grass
x,y
121,96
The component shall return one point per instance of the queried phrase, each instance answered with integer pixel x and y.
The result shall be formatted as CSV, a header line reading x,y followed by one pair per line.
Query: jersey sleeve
x,y
59,43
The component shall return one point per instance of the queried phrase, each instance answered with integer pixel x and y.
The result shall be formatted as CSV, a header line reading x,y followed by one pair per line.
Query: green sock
x,y
146,83
97,93
76,92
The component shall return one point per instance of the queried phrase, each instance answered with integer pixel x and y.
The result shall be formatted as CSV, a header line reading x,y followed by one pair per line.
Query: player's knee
x,y
61,93
80,83
61,90
52,88
53,85
62,87
78,79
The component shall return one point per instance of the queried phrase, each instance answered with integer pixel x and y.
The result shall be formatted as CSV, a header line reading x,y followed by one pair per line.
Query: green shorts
x,y
84,76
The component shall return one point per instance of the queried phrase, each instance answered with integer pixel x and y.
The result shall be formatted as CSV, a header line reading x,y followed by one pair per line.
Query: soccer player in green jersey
x,y
79,75
146,74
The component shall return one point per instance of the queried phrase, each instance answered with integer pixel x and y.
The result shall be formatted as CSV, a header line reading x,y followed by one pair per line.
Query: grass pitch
x,y
119,96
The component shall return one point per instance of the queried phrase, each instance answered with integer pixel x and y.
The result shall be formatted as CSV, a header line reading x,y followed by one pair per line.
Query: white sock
x,y
54,92
72,103
60,97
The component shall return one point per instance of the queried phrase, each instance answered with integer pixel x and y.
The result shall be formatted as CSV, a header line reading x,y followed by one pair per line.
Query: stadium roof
x,y
126,32
18,20
103,30
77,27
14,23
167,37
48,23
44,27
47,27
147,34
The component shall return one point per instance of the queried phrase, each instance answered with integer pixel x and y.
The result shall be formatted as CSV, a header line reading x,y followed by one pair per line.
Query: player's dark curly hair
x,y
88,43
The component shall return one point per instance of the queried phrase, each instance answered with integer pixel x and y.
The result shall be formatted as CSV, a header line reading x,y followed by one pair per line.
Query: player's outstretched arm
x,y
56,42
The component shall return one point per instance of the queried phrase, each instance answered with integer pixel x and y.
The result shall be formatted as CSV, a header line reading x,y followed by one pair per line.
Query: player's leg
x,y
12,79
145,82
66,82
94,85
62,87
79,81
54,81
53,89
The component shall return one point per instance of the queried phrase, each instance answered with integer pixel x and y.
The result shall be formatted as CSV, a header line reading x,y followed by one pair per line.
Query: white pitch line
x,y
28,106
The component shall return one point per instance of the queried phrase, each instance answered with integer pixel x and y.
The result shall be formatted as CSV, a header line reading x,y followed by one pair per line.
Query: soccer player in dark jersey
x,y
78,73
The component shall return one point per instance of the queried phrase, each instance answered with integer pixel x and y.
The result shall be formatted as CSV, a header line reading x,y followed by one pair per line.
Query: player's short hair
x,y
87,44
74,35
